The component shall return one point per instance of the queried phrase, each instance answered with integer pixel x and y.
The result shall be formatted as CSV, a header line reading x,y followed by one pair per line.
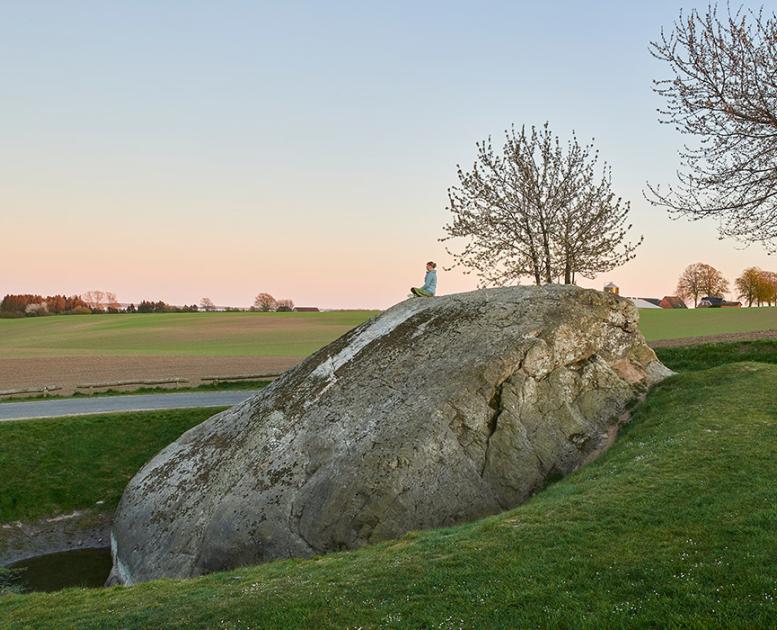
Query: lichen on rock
x,y
436,412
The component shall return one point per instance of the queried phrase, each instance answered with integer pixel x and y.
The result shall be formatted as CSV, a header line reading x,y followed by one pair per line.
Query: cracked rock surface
x,y
438,411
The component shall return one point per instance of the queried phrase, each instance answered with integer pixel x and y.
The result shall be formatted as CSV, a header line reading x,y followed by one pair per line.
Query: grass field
x,y
280,334
675,526
67,351
679,323
188,334
70,350
49,467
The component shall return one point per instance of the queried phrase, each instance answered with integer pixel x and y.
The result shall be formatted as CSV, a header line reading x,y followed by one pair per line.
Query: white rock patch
x,y
380,327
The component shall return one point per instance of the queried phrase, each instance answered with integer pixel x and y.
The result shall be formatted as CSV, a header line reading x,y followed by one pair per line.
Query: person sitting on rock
x,y
430,282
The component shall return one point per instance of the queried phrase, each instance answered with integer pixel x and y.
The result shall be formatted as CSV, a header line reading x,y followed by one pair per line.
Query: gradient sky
x,y
175,150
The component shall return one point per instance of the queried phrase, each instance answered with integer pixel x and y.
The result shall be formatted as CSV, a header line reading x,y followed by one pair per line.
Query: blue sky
x,y
183,149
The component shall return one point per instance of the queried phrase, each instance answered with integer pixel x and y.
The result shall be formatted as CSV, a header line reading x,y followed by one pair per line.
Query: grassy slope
x,y
52,466
678,323
203,334
675,525
709,355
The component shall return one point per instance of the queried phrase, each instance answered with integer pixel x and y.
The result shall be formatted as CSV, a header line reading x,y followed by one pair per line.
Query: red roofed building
x,y
672,301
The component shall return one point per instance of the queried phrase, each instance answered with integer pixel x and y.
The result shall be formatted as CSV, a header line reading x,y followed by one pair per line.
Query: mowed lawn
x,y
192,334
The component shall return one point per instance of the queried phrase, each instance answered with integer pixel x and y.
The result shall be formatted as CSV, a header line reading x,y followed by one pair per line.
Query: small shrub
x,y
34,310
81,310
8,582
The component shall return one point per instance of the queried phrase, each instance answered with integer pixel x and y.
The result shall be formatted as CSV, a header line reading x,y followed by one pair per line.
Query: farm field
x,y
664,324
67,372
280,334
175,334
69,350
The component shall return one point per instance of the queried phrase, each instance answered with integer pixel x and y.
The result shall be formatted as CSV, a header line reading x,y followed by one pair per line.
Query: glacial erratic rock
x,y
436,412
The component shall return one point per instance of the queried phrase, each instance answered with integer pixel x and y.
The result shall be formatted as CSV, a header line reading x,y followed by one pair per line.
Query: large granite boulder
x,y
436,412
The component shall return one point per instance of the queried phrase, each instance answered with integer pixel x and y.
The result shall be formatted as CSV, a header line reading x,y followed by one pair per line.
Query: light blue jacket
x,y
430,281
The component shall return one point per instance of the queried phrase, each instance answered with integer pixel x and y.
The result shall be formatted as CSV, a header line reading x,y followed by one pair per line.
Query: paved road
x,y
109,404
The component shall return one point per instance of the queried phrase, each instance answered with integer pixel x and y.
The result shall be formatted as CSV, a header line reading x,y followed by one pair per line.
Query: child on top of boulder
x,y
430,282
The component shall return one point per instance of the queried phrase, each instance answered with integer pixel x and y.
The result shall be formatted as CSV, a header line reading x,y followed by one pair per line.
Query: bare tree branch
x,y
723,95
537,210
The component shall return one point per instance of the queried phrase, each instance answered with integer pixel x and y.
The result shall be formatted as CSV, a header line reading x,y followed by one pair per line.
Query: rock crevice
x,y
496,405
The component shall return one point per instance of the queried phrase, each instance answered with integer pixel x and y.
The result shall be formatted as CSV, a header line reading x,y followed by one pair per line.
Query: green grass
x,y
676,526
195,334
678,323
9,582
705,356
52,466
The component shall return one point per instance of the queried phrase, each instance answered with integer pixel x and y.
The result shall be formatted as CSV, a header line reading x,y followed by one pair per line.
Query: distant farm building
x,y
672,301
668,301
644,303
612,288
715,301
306,309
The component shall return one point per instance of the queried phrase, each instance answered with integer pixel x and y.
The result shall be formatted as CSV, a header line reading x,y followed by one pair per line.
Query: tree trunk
x,y
568,270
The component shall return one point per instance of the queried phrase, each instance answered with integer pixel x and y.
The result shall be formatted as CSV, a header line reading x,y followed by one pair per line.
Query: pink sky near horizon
x,y
175,153
357,263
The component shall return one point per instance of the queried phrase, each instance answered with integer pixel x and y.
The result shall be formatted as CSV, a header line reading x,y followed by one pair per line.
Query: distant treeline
x,y
147,306
99,302
30,305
